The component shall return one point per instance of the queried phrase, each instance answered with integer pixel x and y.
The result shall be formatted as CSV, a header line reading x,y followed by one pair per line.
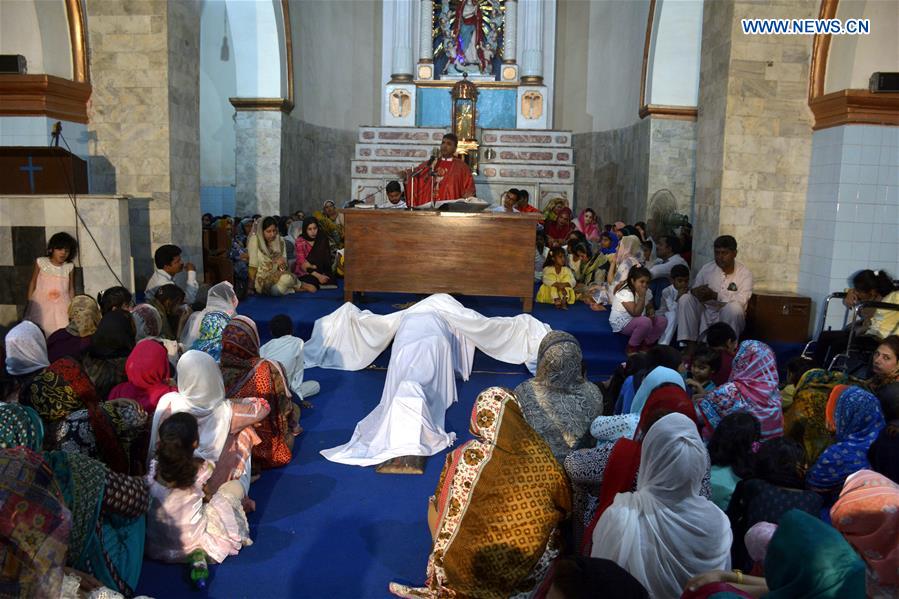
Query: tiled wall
x,y
852,209
35,131
217,200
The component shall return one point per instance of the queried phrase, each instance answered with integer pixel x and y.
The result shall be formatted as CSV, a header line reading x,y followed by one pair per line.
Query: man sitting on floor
x,y
168,263
720,292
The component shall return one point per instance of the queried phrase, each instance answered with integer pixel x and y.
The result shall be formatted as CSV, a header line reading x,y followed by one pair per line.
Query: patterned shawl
x,y
60,390
859,420
245,374
753,388
500,499
20,426
867,514
558,403
35,531
211,328
804,421
84,316
808,558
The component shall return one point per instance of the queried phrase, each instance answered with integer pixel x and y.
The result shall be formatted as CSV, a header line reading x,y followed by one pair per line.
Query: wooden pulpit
x,y
41,170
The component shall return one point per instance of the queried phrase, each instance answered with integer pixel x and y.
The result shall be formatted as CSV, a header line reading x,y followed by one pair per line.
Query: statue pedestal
x,y
540,161
399,105
531,106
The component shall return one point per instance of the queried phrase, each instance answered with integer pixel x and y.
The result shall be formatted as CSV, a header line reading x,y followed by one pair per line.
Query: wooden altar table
x,y
402,251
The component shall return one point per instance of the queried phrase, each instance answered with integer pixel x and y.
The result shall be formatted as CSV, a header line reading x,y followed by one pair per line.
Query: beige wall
x,y
853,58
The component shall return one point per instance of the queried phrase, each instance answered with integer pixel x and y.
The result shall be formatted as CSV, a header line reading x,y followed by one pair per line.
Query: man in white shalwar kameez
x,y
432,341
288,350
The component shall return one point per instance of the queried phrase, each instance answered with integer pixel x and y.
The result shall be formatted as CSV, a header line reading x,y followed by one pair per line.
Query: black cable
x,y
73,198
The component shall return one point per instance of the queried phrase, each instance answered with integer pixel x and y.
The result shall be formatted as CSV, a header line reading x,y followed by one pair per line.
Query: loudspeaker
x,y
884,82
13,64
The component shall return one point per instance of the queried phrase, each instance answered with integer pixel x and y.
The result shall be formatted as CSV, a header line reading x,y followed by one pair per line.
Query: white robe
x,y
435,339
288,350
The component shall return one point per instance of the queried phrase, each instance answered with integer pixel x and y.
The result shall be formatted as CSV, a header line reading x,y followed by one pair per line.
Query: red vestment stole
x,y
454,181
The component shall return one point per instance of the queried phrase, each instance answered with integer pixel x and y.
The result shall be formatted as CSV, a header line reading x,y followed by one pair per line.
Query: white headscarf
x,y
664,533
26,349
221,298
201,392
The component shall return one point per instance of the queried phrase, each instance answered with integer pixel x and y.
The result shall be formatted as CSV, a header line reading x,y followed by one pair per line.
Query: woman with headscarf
x,y
884,452
776,485
149,375
26,354
122,444
599,474
558,230
222,300
245,374
331,222
552,209
107,509
805,419
857,420
806,559
313,256
867,515
588,224
147,322
75,339
628,255
664,533
558,402
753,387
268,269
110,348
227,436
479,550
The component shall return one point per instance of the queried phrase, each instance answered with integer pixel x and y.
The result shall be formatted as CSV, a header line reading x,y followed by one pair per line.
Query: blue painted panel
x,y
496,108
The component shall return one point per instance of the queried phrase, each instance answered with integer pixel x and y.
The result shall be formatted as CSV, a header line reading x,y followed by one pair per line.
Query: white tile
x,y
849,173
890,137
861,231
868,174
867,194
870,155
888,175
854,134
844,232
872,136
865,213
889,156
848,193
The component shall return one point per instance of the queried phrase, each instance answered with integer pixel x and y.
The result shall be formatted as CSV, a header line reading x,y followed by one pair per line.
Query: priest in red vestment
x,y
452,178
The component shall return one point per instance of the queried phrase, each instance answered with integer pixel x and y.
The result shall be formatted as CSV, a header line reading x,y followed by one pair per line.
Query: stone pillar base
x,y
531,107
258,162
399,105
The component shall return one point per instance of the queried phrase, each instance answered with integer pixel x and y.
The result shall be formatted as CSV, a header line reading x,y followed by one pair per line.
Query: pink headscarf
x,y
867,515
591,231
757,538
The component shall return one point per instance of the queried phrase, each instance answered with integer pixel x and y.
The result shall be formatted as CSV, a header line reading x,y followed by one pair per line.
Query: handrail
x,y
858,319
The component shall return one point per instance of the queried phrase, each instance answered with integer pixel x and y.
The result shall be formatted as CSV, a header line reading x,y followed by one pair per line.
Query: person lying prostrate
x,y
559,403
227,436
611,468
732,449
753,388
479,549
867,515
181,520
75,339
149,375
805,421
857,421
664,533
775,486
110,347
245,374
287,349
806,559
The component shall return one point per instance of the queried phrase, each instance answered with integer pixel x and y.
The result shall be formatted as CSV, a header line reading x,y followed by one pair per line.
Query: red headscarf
x,y
555,230
624,461
149,376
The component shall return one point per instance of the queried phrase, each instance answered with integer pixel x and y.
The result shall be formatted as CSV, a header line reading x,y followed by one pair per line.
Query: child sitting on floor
x,y
705,363
721,337
184,524
287,349
632,313
795,369
558,282
680,284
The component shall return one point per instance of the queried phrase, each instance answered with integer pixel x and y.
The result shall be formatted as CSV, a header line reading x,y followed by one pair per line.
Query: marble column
x,y
258,161
399,94
510,30
425,41
532,43
401,65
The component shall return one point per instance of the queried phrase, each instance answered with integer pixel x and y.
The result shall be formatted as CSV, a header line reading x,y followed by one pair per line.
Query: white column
x,y
401,66
510,30
425,41
532,42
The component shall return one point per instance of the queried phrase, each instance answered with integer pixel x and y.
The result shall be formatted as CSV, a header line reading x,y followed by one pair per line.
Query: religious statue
x,y
470,35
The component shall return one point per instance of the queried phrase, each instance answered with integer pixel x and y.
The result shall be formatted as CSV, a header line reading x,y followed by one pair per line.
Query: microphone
x,y
435,152
56,132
